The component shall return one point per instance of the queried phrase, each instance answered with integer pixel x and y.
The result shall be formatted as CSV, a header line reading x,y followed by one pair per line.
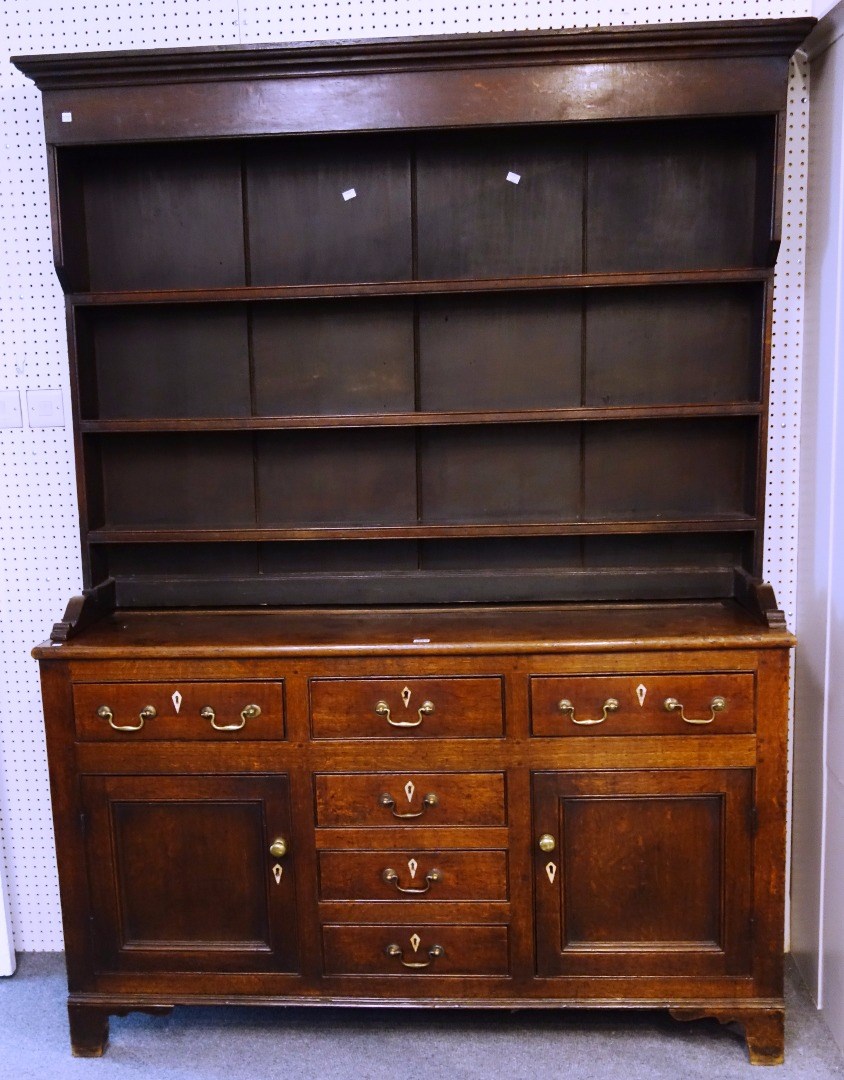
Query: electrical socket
x,y
45,408
10,409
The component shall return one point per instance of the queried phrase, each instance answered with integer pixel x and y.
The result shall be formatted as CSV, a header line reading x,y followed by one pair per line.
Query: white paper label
x,y
67,117
349,193
513,177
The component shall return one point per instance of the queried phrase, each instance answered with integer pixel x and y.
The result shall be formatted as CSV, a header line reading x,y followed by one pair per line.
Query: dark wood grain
x,y
647,716
422,587
88,1030
354,800
422,632
474,93
454,708
653,873
446,287
328,503
475,223
301,228
325,479
520,475
673,824
182,480
664,471
467,950
170,218
168,362
333,358
679,345
318,421
227,699
674,196
185,881
472,353
462,875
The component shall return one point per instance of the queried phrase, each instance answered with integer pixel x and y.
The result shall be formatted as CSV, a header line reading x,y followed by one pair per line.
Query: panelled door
x,y
191,873
643,872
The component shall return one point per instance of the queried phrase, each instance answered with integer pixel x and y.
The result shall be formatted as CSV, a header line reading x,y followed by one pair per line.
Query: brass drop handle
x,y
434,953
716,705
147,713
547,842
425,709
278,848
610,705
248,712
390,877
386,799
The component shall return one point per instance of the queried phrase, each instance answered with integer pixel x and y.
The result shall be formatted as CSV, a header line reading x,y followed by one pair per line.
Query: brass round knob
x,y
278,848
547,842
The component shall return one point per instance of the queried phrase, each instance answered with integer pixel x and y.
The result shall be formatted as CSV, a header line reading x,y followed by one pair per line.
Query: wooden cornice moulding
x,y
296,59
475,80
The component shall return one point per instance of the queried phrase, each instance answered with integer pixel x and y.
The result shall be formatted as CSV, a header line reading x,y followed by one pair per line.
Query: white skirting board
x,y
7,951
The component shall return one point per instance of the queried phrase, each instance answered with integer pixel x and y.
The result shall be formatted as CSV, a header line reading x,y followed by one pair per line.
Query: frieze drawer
x,y
715,703
185,710
440,708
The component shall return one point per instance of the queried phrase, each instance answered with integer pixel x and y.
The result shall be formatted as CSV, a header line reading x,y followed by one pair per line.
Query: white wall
x,y
7,953
39,562
818,818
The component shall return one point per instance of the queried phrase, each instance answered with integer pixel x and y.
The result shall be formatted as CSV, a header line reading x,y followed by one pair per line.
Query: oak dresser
x,y
420,394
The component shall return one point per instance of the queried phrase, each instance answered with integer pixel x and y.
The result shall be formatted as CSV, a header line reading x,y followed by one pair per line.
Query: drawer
x,y
389,799
412,951
637,704
440,708
107,711
413,875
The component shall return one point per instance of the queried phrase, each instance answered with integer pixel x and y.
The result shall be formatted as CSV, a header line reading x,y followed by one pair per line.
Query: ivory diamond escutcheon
x,y
406,695
412,866
177,700
551,871
415,941
409,789
641,694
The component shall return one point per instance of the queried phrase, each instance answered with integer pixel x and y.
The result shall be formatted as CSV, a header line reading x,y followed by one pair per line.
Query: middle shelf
x,y
433,359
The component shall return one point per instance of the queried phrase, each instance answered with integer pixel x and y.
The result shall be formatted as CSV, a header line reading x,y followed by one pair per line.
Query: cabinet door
x,y
650,873
181,874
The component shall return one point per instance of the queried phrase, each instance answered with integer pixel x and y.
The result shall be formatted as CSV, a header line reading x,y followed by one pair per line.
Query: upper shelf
x,y
412,214
456,286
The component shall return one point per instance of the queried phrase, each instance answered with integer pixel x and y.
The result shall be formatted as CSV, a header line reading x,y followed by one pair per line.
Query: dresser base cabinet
x,y
528,806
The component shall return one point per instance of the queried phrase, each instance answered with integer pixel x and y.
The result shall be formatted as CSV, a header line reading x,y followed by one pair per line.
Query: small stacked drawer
x,y
395,857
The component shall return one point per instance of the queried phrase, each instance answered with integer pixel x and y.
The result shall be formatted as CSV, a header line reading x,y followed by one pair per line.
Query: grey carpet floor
x,y
238,1043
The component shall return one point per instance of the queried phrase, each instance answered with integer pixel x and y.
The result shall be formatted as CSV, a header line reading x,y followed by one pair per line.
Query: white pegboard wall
x,y
787,352
371,18
39,561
